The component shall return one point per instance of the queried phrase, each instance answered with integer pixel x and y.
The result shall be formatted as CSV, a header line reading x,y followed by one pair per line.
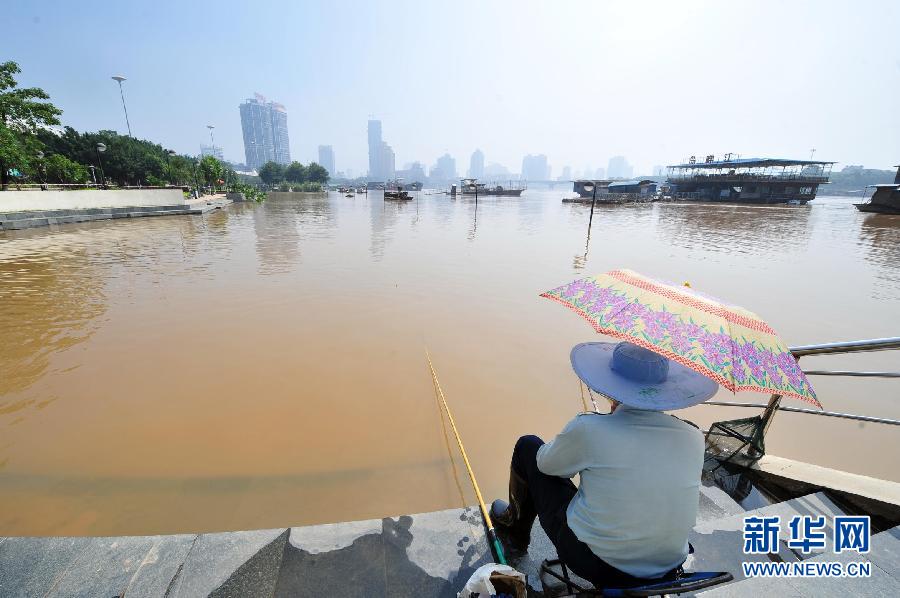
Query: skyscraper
x,y
375,150
619,168
386,162
326,158
280,137
212,150
534,168
448,165
476,165
264,125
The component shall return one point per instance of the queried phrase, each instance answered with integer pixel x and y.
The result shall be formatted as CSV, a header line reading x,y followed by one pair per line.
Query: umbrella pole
x,y
496,547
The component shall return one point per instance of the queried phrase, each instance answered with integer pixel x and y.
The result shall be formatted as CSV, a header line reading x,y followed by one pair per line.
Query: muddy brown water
x,y
263,365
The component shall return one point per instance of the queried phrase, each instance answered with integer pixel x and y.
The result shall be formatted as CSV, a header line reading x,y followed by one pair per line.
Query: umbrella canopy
x,y
724,342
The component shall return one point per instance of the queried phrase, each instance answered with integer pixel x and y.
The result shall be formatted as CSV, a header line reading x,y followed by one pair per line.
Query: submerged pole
x,y
593,203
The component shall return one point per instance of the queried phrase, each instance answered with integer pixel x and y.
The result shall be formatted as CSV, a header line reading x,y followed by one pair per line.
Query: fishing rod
x,y
492,535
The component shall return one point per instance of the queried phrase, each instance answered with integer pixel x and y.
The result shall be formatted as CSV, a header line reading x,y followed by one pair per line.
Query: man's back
x,y
640,477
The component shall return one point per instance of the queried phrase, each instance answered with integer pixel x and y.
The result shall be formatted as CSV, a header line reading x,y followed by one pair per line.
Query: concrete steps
x,y
429,554
718,543
22,220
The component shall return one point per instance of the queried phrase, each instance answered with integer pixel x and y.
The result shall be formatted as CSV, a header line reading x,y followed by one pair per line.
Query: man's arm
x,y
565,455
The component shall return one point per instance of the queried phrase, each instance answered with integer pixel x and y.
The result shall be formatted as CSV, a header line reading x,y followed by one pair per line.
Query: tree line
x,y
305,178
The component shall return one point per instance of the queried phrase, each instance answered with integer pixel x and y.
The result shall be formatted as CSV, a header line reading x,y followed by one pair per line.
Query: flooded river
x,y
264,366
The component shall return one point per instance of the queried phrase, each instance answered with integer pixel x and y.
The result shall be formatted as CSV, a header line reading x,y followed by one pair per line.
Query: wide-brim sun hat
x,y
638,377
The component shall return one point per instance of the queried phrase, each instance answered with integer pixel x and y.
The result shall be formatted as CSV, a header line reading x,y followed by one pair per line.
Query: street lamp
x,y
101,147
169,155
120,78
93,174
41,173
212,141
196,178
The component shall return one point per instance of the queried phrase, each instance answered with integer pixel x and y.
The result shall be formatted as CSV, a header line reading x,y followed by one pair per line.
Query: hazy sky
x,y
577,81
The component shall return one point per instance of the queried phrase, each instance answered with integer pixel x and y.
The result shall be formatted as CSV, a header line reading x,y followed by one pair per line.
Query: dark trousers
x,y
548,498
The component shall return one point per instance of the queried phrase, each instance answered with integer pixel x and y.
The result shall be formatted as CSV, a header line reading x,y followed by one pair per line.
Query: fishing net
x,y
737,441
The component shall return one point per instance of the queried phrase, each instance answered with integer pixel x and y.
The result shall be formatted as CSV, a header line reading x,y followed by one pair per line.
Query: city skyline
x,y
559,113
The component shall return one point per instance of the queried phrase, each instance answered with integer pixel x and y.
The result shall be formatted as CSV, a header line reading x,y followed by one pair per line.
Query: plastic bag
x,y
493,580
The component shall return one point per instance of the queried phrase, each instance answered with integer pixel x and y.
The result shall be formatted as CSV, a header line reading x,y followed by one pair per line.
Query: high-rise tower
x,y
265,129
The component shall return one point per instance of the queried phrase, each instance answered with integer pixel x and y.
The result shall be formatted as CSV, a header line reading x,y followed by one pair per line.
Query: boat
x,y
614,192
397,195
885,199
748,180
473,187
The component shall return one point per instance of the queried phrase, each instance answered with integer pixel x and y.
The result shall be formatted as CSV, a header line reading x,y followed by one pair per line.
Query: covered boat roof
x,y
633,182
751,162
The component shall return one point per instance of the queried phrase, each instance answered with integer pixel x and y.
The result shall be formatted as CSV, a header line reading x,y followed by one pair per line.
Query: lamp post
x,y
593,188
196,178
119,79
101,147
41,173
169,155
93,174
212,142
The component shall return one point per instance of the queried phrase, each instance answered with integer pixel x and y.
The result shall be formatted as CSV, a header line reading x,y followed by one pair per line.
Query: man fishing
x,y
639,468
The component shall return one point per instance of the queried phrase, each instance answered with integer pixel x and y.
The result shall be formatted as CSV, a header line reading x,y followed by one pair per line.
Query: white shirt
x,y
640,484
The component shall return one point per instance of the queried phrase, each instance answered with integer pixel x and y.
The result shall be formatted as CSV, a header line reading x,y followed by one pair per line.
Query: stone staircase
x,y
32,219
429,554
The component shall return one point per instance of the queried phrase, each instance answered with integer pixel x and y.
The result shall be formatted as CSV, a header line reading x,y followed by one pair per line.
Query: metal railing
x,y
863,346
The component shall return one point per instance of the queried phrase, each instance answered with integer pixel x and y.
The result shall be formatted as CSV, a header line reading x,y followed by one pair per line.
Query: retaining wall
x,y
18,201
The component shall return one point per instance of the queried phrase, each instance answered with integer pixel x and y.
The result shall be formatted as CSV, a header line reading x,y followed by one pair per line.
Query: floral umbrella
x,y
724,342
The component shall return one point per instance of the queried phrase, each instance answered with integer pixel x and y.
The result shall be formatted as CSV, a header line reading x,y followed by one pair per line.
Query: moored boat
x,y
613,192
473,187
398,195
885,199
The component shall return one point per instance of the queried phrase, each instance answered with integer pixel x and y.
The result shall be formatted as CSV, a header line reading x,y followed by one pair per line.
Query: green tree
x,y
211,170
59,169
316,173
295,173
231,177
271,173
180,170
22,114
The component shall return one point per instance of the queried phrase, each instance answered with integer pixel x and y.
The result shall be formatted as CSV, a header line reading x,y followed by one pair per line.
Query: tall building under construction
x,y
265,129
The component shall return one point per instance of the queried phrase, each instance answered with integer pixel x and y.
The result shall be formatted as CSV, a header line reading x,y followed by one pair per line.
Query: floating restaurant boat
x,y
885,199
748,180
473,187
